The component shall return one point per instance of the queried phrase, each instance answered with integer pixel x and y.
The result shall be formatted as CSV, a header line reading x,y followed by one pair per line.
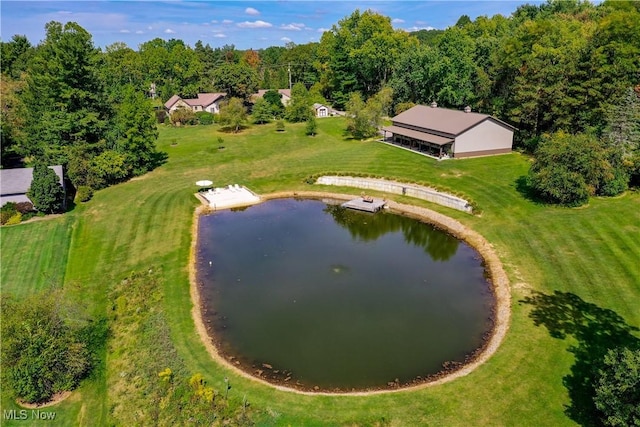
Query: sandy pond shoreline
x,y
497,276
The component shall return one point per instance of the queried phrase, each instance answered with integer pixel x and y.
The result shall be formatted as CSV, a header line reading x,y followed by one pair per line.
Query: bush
x,y
7,211
570,168
204,117
41,352
15,219
84,193
280,126
183,116
25,207
161,116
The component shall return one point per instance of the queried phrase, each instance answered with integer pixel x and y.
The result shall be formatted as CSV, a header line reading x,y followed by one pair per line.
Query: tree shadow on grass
x,y
525,190
158,159
596,330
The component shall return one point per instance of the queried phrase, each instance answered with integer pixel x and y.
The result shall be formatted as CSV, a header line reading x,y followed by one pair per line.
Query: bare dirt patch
x,y
497,276
57,398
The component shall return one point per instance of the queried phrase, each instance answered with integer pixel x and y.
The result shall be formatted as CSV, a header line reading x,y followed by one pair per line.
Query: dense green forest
x,y
568,66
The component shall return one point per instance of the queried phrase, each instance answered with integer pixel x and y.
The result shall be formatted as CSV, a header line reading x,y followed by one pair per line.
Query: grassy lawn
x,y
567,260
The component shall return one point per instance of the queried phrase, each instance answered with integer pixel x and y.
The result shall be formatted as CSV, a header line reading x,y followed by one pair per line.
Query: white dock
x,y
231,196
362,205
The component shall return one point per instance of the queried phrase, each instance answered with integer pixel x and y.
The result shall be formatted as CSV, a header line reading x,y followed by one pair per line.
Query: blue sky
x,y
245,24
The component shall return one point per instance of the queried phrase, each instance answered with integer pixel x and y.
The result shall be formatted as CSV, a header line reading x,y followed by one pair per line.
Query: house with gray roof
x,y
444,132
209,102
14,183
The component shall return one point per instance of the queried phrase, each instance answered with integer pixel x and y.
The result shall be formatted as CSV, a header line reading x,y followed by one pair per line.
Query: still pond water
x,y
308,294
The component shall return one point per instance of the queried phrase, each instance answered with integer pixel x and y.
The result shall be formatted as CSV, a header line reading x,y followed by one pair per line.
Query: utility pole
x,y
289,70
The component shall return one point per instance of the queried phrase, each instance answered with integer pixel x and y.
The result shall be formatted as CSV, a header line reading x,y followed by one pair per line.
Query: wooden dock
x,y
359,204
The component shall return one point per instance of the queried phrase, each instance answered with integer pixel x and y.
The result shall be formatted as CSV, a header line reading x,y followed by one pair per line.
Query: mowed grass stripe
x,y
38,254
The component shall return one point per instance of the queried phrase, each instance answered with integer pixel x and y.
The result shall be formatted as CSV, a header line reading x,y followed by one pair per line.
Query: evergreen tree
x,y
64,99
137,133
274,98
262,112
299,107
45,192
312,127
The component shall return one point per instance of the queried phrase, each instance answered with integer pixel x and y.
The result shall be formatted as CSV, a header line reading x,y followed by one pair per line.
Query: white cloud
x,y
322,30
214,21
255,24
286,39
397,21
414,28
149,27
219,35
169,31
125,31
139,32
292,27
227,21
251,11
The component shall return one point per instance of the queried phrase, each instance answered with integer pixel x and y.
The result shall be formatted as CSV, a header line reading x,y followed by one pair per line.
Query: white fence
x,y
411,190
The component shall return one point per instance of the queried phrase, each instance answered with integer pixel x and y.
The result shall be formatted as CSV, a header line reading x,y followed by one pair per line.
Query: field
x,y
574,274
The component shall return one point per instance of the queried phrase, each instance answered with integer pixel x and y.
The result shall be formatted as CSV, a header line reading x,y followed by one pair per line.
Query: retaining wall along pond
x,y
411,190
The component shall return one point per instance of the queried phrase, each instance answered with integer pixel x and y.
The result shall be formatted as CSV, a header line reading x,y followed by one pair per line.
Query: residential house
x,y
286,95
14,183
444,132
209,102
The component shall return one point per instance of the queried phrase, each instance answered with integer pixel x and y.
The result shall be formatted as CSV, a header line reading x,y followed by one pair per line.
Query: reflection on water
x,y
365,226
311,295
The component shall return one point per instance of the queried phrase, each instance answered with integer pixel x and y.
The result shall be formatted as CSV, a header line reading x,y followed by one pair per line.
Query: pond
x,y
310,295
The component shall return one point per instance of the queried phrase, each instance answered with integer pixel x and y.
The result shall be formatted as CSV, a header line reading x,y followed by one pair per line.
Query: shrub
x,y
84,193
15,219
183,116
280,126
7,211
25,207
570,168
162,116
41,352
204,117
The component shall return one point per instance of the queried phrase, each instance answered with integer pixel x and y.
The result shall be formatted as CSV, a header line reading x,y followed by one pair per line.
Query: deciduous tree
x,y
233,114
617,392
236,80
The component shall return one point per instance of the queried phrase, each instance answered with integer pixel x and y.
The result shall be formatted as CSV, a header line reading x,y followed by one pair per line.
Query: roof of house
x,y
171,101
317,105
14,183
203,99
261,92
443,120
